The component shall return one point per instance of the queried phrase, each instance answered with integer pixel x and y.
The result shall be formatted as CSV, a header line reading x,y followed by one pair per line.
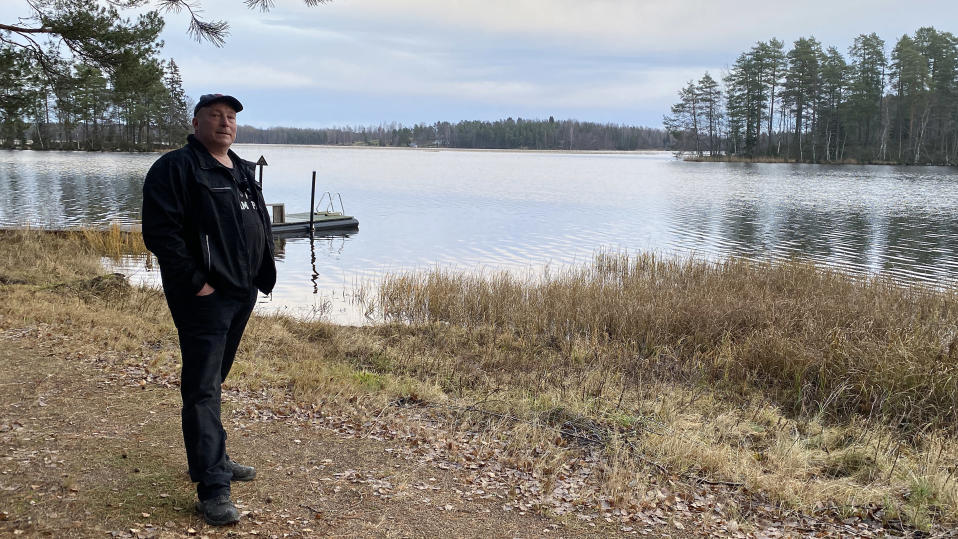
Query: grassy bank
x,y
820,392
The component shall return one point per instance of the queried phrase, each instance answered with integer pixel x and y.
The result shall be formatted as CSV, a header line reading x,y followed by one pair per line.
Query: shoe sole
x,y
233,477
199,509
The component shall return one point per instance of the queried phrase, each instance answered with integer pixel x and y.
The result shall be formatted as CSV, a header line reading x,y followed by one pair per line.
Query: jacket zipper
x,y
209,255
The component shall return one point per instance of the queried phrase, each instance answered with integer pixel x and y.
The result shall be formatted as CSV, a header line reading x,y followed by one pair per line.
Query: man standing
x,y
205,220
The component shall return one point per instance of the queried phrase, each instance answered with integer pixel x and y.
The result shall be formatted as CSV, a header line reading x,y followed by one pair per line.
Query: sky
x,y
372,62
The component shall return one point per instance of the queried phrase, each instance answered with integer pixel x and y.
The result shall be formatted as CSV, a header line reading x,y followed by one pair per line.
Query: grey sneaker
x,y
218,511
240,472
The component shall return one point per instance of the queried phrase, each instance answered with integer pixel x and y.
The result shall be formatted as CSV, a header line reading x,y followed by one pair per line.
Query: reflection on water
x,y
59,189
491,211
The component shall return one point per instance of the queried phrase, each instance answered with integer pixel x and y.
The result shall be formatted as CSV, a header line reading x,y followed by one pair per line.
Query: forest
x,y
520,133
98,85
813,104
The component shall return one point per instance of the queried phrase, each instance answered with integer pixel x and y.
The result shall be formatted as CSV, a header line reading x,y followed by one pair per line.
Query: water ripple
x,y
491,211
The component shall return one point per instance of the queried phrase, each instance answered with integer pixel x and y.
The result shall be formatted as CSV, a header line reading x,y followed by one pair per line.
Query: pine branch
x,y
266,5
215,32
201,30
22,30
263,5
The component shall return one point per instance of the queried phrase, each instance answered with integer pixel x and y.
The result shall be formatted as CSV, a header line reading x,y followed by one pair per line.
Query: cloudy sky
x,y
366,62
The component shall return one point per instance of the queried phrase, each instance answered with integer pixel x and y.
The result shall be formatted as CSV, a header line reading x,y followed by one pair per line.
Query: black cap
x,y
208,99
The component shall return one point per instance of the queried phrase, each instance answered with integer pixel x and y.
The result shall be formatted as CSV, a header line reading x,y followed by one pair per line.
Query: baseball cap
x,y
208,99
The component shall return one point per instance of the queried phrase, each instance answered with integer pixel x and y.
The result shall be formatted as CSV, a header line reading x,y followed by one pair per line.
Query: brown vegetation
x,y
813,390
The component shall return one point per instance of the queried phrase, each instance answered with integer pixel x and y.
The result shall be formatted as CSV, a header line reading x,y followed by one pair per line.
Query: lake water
x,y
485,211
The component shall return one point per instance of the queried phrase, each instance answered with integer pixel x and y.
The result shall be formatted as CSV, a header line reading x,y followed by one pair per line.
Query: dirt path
x,y
89,452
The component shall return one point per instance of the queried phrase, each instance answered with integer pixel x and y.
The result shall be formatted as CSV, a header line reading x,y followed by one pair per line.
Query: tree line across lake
x,y
521,133
812,104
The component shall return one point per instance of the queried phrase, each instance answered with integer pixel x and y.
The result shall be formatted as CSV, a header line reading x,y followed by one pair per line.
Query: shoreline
x,y
357,147
450,149
690,159
786,160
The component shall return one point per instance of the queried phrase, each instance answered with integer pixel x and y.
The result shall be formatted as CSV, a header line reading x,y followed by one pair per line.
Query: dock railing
x,y
330,201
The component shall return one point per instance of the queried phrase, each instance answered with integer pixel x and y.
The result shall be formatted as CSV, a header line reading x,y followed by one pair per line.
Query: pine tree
x,y
710,98
834,83
772,58
909,80
177,110
867,88
683,122
940,49
802,85
15,95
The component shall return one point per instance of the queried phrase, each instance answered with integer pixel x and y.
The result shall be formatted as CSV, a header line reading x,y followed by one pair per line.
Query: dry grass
x,y
113,242
802,382
821,391
815,341
38,257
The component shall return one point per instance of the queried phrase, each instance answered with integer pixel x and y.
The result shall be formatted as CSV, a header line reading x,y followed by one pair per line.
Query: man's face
x,y
215,126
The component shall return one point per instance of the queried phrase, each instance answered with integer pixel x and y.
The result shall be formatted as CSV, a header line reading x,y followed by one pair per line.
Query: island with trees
x,y
812,104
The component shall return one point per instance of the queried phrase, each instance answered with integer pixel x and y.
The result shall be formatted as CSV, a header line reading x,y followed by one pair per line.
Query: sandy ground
x,y
89,452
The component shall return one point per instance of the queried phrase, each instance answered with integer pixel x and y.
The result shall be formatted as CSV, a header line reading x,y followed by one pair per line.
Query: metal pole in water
x,y
312,202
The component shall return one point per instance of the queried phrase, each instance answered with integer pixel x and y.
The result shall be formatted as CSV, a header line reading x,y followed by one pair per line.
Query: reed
x,y
814,340
31,256
114,241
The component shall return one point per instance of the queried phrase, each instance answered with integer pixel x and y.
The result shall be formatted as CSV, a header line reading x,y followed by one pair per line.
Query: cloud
x,y
640,25
449,58
206,73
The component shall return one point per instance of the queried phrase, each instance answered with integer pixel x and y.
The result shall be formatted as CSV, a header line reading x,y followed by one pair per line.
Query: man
x,y
205,220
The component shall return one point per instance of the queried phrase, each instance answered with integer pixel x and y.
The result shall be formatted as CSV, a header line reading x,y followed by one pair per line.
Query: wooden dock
x,y
299,223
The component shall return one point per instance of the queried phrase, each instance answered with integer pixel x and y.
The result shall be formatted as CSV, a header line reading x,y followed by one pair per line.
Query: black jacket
x,y
192,223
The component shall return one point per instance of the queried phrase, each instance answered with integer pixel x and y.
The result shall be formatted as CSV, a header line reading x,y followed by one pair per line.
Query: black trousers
x,y
210,328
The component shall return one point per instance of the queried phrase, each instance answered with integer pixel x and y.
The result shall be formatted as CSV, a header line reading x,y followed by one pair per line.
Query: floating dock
x,y
331,220
299,223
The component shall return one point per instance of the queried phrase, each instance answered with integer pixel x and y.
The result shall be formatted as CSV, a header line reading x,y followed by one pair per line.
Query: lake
x,y
486,211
